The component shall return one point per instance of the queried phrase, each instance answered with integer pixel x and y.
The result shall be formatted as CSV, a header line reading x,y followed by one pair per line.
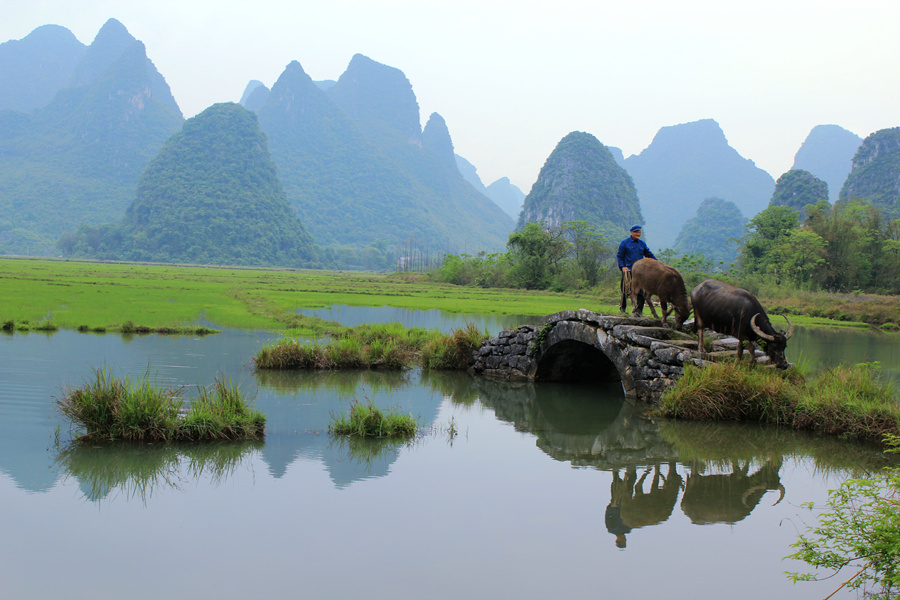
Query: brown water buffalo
x,y
736,312
664,282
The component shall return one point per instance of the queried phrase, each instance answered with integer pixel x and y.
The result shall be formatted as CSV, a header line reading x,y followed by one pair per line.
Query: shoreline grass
x,y
381,346
369,421
847,401
107,407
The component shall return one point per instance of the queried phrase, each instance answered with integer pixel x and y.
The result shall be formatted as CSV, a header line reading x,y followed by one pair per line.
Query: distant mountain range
x,y
684,165
211,196
79,126
360,170
76,158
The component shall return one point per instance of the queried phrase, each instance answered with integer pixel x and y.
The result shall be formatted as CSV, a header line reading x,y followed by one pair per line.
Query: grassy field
x,y
70,294
106,296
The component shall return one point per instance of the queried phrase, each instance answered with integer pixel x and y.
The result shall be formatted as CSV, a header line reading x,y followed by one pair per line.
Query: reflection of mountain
x,y
294,431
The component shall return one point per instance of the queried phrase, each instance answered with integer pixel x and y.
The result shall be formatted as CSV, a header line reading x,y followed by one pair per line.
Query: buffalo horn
x,y
759,331
790,330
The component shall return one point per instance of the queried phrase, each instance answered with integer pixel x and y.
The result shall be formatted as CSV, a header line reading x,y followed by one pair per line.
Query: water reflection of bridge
x,y
711,472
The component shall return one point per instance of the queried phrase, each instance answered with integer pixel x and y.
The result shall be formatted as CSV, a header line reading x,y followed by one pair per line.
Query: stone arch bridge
x,y
582,345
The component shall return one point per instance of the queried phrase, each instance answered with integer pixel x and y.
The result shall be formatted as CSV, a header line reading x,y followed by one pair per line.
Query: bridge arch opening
x,y
572,360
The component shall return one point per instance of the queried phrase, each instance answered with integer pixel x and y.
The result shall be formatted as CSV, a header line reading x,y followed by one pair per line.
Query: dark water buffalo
x,y
664,282
729,498
736,312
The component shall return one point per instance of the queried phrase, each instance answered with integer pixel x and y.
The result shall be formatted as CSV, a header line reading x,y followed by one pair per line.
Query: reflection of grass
x,y
845,401
344,382
718,444
111,408
458,387
369,421
138,470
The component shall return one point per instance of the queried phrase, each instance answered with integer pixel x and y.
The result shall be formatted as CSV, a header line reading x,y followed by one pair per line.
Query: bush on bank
x,y
849,402
108,407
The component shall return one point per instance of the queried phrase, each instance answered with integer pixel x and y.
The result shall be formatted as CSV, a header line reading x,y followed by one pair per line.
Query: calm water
x,y
550,490
352,316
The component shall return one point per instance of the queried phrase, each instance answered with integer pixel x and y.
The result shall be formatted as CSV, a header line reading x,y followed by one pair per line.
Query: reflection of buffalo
x,y
631,507
729,498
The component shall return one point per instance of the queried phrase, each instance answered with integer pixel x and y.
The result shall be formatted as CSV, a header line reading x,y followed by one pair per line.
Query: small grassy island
x,y
123,409
385,346
369,421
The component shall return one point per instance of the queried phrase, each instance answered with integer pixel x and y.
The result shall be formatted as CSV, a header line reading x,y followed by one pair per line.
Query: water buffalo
x,y
664,282
733,311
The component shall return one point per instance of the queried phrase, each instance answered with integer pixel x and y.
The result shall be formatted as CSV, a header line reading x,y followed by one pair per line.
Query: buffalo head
x,y
776,341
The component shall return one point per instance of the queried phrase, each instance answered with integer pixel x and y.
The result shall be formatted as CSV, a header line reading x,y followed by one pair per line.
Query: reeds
x,y
845,401
386,346
107,407
369,421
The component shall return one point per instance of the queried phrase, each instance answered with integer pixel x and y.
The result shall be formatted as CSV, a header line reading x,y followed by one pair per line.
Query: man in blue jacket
x,y
631,250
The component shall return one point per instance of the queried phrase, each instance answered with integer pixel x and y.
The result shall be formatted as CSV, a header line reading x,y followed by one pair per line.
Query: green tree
x,y
766,230
536,253
591,251
799,255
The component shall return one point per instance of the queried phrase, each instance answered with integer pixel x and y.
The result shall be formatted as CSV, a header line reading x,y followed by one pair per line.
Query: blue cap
x,y
635,228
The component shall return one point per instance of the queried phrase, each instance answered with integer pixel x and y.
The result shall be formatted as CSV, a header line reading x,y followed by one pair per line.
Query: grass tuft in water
x,y
849,402
107,407
369,421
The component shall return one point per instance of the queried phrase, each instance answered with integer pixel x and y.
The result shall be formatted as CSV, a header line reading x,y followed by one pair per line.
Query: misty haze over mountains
x,y
80,124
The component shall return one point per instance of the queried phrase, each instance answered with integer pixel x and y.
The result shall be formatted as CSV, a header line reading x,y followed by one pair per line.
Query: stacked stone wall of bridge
x,y
589,346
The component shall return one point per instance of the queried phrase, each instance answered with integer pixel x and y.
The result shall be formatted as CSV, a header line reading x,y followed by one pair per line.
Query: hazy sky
x,y
511,78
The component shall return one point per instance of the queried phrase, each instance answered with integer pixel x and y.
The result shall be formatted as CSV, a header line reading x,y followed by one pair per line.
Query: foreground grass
x,y
385,346
848,402
369,421
107,407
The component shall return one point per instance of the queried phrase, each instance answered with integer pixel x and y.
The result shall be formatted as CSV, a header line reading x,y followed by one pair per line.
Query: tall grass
x,y
107,407
385,346
846,401
369,421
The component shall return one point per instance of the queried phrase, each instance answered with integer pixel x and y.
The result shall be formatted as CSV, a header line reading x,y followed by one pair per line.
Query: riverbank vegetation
x,y
368,421
382,346
107,407
839,262
849,402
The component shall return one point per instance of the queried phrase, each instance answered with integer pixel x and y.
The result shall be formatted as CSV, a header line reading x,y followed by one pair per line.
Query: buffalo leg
x,y
649,300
